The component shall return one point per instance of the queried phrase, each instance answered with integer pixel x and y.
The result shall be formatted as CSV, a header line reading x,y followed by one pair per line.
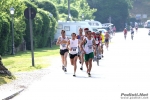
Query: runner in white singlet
x,y
62,41
82,54
88,43
73,51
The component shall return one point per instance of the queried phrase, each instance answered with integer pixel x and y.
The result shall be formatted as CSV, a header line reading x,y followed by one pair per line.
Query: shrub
x,y
48,6
64,9
4,33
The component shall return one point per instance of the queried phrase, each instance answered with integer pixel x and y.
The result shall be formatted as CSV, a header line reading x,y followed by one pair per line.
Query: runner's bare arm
x,y
79,42
58,41
94,44
82,43
68,43
81,38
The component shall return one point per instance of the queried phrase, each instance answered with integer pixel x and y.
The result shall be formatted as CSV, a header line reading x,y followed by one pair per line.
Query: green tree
x,y
117,9
77,8
18,18
44,27
48,6
4,33
83,8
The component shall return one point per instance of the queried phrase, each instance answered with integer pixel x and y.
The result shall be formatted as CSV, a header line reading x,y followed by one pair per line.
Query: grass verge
x,y
22,61
6,79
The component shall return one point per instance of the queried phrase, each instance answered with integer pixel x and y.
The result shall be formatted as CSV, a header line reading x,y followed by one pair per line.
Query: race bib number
x,y
96,42
74,48
63,45
90,46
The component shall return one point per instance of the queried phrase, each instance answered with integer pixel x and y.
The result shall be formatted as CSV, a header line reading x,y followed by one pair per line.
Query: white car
x,y
103,30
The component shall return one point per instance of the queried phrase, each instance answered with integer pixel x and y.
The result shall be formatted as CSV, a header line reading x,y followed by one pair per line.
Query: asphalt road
x,y
124,69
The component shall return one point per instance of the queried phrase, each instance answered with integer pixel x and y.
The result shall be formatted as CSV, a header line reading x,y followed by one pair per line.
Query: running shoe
x,y
89,74
65,69
94,59
99,56
74,75
80,62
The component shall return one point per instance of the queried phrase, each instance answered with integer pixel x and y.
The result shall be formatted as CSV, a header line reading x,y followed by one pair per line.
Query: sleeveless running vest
x,y
79,37
88,47
97,40
74,46
64,45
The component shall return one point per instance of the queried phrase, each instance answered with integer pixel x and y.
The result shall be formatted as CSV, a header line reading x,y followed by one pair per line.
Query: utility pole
x,y
68,10
110,19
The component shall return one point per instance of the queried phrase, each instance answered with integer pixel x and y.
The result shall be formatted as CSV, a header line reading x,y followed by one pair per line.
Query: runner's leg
x,y
107,44
102,50
71,61
62,59
95,53
75,64
79,55
82,61
65,61
99,50
90,63
86,56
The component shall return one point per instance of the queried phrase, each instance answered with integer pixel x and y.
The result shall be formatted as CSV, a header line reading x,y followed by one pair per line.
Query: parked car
x,y
149,32
147,24
103,30
107,24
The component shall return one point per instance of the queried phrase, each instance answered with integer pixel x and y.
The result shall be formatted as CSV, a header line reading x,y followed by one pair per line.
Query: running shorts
x,y
72,55
62,52
88,56
106,40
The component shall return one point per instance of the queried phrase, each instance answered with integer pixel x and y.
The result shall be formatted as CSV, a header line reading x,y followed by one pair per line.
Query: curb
x,y
13,95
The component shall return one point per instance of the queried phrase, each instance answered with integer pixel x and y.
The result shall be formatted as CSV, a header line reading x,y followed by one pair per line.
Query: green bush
x,y
38,23
48,6
64,9
4,33
43,25
19,30
63,17
27,31
45,28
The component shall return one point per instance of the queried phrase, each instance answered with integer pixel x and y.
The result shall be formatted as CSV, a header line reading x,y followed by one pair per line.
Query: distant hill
x,y
141,7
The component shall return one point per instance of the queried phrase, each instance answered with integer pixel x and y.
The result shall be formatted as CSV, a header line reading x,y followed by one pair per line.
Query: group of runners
x,y
131,30
82,47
